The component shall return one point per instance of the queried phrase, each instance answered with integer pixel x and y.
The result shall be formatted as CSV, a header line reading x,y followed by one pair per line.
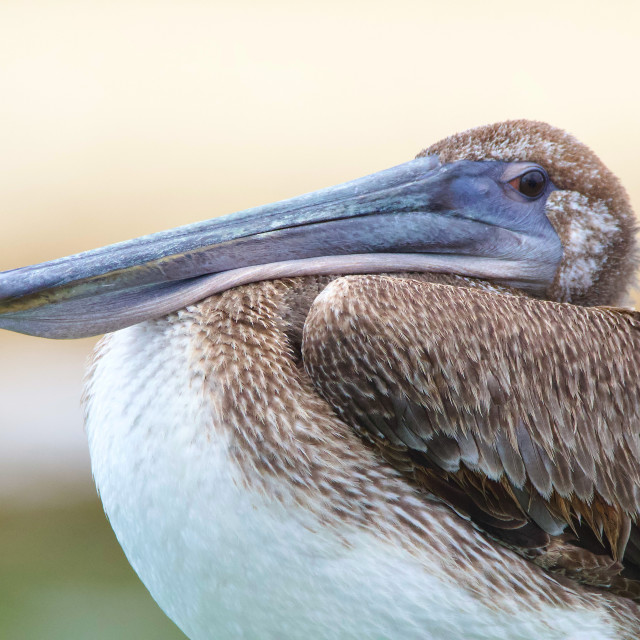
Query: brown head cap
x,y
591,211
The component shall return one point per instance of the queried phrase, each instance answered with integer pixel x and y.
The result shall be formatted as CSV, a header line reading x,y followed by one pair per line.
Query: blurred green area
x,y
63,576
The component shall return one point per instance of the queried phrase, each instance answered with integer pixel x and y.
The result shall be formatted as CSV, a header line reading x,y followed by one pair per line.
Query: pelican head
x,y
519,203
588,209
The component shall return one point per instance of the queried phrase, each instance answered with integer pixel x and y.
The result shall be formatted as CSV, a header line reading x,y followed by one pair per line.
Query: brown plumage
x,y
519,414
281,373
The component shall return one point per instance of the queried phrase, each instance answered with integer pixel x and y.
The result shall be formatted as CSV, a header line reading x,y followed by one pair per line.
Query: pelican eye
x,y
530,184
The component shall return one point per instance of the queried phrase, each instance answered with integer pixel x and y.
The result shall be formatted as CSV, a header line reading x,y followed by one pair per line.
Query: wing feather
x,y
521,414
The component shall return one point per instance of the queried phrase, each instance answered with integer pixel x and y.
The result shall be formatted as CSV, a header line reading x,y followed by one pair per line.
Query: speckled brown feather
x,y
514,411
289,444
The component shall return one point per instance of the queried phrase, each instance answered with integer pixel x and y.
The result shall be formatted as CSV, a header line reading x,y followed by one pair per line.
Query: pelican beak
x,y
462,218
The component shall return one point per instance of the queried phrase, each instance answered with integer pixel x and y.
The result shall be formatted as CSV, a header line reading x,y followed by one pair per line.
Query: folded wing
x,y
523,415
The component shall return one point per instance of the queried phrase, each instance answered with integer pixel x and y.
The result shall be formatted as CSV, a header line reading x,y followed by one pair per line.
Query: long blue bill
x,y
419,216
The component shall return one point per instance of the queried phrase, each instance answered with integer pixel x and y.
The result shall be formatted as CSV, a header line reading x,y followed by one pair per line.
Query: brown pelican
x,y
443,446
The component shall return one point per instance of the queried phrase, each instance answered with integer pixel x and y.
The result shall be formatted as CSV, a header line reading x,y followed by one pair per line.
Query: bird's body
x,y
251,510
287,453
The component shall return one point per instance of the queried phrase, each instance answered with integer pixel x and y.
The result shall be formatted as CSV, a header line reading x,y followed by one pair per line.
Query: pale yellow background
x,y
120,118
